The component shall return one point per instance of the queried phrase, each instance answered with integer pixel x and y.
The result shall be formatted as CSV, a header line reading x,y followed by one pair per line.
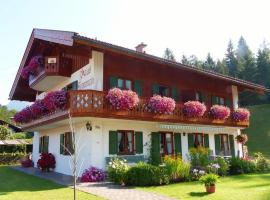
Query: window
x,y
125,142
166,144
224,145
161,90
71,86
66,143
218,100
199,97
124,84
198,140
44,144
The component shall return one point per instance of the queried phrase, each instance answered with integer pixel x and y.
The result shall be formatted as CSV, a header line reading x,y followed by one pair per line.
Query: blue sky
x,y
187,27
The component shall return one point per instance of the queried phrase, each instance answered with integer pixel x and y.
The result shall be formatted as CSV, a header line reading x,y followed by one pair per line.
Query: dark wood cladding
x,y
77,61
90,103
186,82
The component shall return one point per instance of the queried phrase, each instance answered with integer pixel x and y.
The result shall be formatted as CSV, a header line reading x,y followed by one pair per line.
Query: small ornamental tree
x,y
194,109
241,115
161,105
219,112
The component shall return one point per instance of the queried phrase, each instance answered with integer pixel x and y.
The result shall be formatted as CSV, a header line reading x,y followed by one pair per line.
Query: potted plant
x,y
160,105
220,113
194,109
209,180
242,138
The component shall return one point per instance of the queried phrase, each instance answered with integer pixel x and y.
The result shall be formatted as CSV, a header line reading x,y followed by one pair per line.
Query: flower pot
x,y
210,188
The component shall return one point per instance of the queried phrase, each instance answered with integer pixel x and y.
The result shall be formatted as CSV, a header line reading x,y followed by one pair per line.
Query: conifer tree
x,y
231,61
168,55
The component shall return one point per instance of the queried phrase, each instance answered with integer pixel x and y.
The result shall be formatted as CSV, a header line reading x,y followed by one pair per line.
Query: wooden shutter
x,y
177,144
155,149
113,142
174,94
217,144
138,87
139,142
113,81
62,136
70,143
46,144
206,140
231,138
155,89
214,100
40,145
190,140
228,102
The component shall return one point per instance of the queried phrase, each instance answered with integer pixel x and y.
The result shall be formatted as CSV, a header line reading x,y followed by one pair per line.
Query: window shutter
x,y
177,144
113,142
155,89
217,144
138,87
190,140
46,144
74,85
139,142
231,138
174,94
70,143
113,81
228,102
40,145
206,140
204,98
62,136
155,149
214,100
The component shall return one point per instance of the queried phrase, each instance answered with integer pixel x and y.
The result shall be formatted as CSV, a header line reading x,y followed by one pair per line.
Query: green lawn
x,y
243,187
16,185
259,130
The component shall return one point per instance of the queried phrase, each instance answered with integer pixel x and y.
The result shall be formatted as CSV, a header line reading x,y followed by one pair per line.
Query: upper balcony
x,y
89,103
55,70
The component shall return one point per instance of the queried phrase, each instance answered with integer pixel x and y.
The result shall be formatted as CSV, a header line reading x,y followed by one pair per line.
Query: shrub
x,y
117,170
241,166
161,105
123,99
209,179
5,133
194,109
240,115
10,158
26,162
262,164
177,169
199,157
223,166
219,112
46,162
196,174
93,174
143,174
243,138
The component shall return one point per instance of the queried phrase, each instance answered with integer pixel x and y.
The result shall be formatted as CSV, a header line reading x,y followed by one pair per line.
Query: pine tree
x,y
221,67
194,61
209,63
168,55
184,60
231,61
263,65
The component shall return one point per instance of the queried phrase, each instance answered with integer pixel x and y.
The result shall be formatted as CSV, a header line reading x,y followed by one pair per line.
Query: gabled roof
x,y
69,38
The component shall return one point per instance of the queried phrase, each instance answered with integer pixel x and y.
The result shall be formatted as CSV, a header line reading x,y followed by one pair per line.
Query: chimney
x,y
140,47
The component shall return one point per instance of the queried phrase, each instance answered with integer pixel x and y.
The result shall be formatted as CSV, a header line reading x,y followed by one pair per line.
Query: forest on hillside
x,y
239,62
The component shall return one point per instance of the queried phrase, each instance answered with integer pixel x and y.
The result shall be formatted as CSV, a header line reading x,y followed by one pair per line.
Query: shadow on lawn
x,y
198,194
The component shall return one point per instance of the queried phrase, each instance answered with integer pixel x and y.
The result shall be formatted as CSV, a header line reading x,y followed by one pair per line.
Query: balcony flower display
x,y
122,99
194,109
219,112
243,138
161,105
93,174
46,162
32,66
241,115
38,109
55,100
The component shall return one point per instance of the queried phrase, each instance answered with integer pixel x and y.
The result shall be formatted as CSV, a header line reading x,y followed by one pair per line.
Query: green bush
x,y
199,157
223,164
241,166
117,170
177,169
262,164
10,158
143,174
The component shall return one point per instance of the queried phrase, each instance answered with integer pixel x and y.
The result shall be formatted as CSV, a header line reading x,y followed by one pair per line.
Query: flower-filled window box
x,y
122,99
219,112
32,67
194,109
241,115
160,105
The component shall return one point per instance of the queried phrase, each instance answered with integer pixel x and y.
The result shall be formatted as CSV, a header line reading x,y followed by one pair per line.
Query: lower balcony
x,y
89,103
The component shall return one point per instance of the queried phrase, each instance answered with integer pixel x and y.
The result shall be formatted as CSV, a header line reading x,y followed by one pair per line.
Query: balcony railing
x,y
90,103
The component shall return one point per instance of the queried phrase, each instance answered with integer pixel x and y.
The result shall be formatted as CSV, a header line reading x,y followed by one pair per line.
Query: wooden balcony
x,y
56,69
89,103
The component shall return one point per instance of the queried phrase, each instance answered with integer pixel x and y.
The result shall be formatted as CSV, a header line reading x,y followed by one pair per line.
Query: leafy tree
x,y
168,54
6,114
231,61
184,60
4,133
194,61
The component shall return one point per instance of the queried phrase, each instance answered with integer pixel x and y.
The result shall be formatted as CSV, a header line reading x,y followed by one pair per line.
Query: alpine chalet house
x,y
72,77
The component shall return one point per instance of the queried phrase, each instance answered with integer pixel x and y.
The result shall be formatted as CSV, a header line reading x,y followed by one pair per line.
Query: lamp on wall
x,y
88,126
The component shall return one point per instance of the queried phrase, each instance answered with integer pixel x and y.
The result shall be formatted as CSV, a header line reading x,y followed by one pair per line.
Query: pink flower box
x,y
241,115
194,109
219,112
161,105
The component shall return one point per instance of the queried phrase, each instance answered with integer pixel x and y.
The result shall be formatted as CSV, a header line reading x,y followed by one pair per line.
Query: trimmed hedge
x,y
10,158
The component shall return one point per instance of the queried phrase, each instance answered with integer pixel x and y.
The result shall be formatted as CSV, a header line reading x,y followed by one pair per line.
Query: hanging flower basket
x,y
122,99
243,138
160,105
241,115
194,109
32,67
218,112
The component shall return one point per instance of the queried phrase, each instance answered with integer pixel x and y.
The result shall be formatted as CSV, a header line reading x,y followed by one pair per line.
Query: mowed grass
x,y
259,130
16,185
242,187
